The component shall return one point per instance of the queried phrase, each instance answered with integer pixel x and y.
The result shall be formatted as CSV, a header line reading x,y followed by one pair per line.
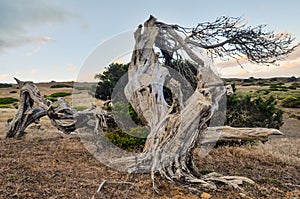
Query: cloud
x,y
40,41
294,55
289,66
19,19
34,71
4,76
71,67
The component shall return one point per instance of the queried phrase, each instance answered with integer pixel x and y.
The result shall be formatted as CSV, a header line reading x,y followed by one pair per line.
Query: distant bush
x,y
293,87
291,102
8,100
242,111
263,91
61,86
13,92
278,87
5,85
60,94
291,79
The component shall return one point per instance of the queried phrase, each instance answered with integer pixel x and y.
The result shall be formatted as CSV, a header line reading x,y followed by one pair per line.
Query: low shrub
x,y
60,94
12,92
61,86
242,111
5,85
291,102
8,100
293,86
127,141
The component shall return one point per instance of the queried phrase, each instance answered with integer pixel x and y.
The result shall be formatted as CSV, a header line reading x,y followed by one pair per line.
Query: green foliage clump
x,y
128,141
12,92
278,87
5,85
294,86
60,94
108,80
53,97
61,86
291,102
136,138
242,111
8,100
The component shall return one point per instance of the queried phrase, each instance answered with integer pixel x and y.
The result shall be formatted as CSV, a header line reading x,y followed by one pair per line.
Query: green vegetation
x,y
8,100
61,86
278,87
243,111
12,92
60,94
54,96
136,138
291,102
5,85
108,80
127,141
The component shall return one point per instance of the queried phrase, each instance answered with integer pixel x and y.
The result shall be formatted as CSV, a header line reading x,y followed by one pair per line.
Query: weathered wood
x,y
231,134
33,106
27,114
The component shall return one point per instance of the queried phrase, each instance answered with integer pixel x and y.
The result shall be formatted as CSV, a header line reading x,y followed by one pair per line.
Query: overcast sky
x,y
43,40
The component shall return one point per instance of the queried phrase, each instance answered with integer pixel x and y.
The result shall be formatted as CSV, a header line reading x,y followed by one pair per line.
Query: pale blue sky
x,y
44,40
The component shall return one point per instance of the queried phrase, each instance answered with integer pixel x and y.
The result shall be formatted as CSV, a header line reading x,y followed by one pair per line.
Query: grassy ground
x,y
48,164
